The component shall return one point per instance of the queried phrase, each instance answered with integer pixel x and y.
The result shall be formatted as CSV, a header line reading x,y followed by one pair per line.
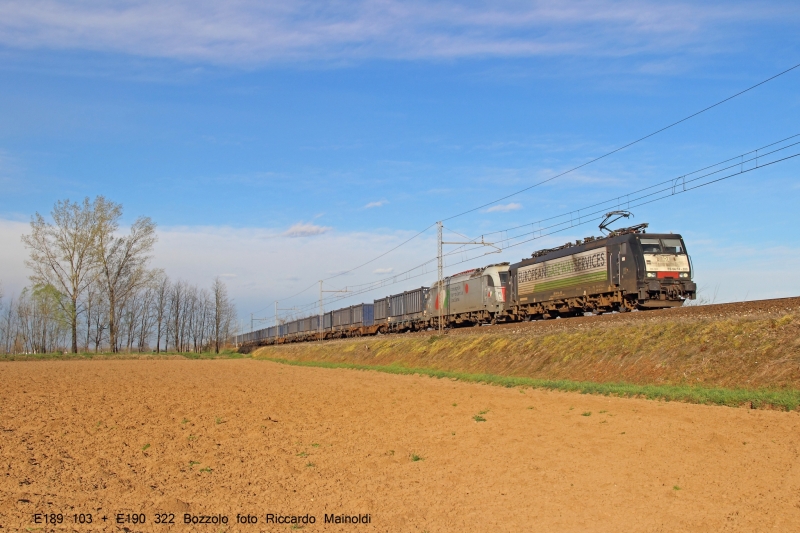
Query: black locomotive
x,y
625,270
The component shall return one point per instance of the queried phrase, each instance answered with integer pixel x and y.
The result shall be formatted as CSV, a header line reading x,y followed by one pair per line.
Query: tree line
x,y
92,290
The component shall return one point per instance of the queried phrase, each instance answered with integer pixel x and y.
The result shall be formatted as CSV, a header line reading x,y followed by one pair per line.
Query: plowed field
x,y
118,438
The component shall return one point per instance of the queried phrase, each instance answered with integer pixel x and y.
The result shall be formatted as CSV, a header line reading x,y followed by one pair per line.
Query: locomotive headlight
x,y
684,274
651,274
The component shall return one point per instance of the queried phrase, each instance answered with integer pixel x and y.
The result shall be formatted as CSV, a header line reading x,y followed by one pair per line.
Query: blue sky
x,y
279,143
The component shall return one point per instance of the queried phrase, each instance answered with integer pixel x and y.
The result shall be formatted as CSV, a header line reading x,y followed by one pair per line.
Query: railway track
x,y
737,310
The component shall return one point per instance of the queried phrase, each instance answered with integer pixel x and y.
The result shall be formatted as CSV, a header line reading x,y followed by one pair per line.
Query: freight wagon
x,y
625,270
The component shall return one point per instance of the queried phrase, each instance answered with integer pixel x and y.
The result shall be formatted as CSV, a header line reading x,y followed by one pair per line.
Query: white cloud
x,y
756,273
13,272
379,203
383,271
305,229
250,32
269,266
504,208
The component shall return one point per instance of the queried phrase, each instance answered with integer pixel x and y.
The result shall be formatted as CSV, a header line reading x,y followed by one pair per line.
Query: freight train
x,y
624,270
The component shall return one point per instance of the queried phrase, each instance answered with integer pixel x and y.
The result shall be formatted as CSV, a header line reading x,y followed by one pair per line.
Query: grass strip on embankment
x,y
688,349
787,400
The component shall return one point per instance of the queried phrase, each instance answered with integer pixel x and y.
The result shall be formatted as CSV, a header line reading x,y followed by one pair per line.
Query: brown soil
x,y
294,440
746,344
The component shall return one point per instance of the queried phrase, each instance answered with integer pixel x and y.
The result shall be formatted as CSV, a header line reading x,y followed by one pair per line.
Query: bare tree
x,y
92,283
5,324
3,329
191,318
122,262
161,308
177,295
9,328
149,311
200,315
61,253
223,313
41,324
99,325
93,311
190,308
127,319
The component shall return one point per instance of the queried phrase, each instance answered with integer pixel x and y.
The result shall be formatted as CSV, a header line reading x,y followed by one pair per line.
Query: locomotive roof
x,y
589,243
474,272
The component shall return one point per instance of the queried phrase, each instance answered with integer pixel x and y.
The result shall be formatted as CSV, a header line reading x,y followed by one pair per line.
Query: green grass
x,y
211,355
787,399
415,457
478,418
145,446
586,413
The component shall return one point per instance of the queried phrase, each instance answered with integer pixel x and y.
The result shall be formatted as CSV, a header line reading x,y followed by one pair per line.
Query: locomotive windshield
x,y
662,246
651,246
673,246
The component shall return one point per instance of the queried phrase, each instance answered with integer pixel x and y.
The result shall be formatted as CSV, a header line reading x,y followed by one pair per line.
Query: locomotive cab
x,y
472,297
625,270
664,270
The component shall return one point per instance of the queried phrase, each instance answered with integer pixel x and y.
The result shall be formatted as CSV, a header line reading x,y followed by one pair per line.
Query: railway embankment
x,y
750,345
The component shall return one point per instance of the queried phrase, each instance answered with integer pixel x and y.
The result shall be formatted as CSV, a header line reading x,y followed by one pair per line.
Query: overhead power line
x,y
755,159
640,139
744,163
767,80
387,252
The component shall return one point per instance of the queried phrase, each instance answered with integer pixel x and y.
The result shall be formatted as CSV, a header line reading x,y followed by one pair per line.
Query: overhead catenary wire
x,y
542,182
649,198
381,255
387,252
619,149
734,158
598,215
667,190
